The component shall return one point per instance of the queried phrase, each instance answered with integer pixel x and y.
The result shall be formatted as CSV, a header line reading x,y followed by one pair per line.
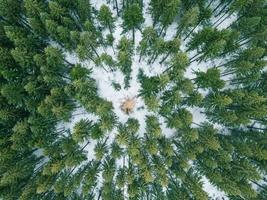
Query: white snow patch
x,y
212,191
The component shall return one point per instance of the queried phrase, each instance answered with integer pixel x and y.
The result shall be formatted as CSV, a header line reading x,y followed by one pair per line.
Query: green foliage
x,y
152,103
105,18
152,85
153,127
56,105
21,135
194,99
87,39
100,150
210,79
164,11
13,93
110,39
211,42
189,19
125,45
132,19
227,112
124,62
79,72
178,64
83,9
180,119
11,10
149,36
81,130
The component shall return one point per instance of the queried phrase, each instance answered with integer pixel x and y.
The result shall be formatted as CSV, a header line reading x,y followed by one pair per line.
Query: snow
x,y
226,23
212,191
198,115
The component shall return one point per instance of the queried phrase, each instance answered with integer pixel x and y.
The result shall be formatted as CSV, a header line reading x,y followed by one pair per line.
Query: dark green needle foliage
x,y
210,79
199,115
105,18
132,19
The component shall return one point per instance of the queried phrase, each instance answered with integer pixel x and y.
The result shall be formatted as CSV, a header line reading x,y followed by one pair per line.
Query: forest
x,y
133,99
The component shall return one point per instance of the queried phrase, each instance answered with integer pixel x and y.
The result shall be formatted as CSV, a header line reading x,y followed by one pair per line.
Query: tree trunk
x,y
162,29
99,195
164,58
113,49
94,51
155,58
222,65
194,57
141,4
218,19
109,28
192,31
117,8
140,57
227,73
219,5
223,9
154,23
71,64
252,127
166,70
179,31
152,57
133,35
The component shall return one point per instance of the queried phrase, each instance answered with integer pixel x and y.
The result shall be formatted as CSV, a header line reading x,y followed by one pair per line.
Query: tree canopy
x,y
195,72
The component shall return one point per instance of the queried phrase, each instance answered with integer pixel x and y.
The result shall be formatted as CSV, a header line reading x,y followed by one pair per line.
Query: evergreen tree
x,y
211,43
81,130
105,18
149,36
164,12
132,19
210,79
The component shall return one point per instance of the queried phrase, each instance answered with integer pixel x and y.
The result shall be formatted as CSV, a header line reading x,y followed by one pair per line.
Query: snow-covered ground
x,y
212,191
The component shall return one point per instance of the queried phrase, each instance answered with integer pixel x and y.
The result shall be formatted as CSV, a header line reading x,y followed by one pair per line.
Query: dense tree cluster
x,y
40,89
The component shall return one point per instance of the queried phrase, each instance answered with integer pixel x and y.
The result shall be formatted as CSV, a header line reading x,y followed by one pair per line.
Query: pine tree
x,y
211,43
83,9
210,79
34,10
178,64
164,12
105,18
149,36
100,150
125,48
81,130
173,46
11,12
153,127
132,19
13,93
189,19
179,119
87,49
